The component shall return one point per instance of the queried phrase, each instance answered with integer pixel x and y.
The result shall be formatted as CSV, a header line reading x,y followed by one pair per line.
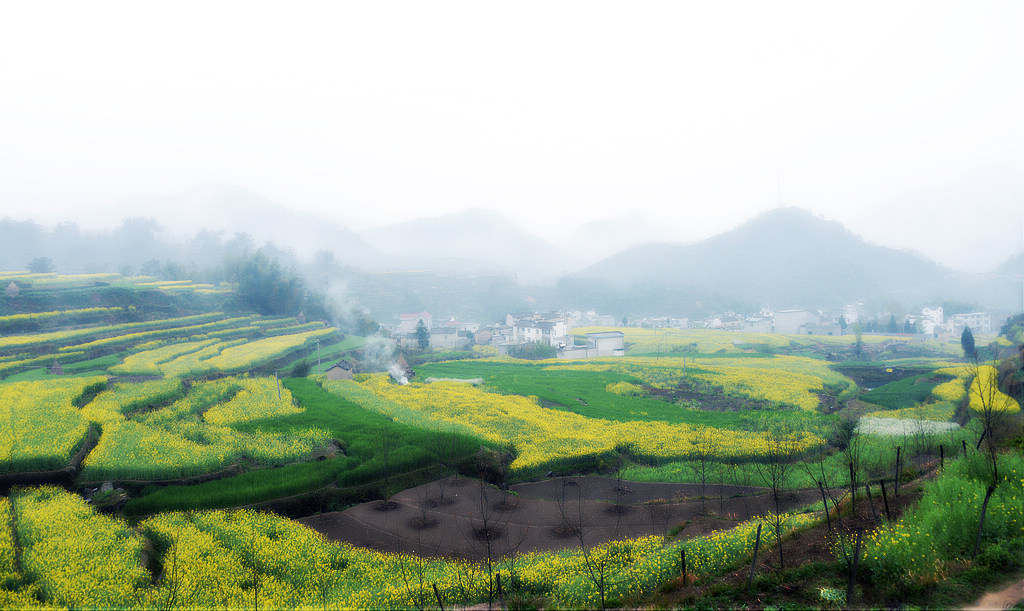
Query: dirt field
x,y
462,518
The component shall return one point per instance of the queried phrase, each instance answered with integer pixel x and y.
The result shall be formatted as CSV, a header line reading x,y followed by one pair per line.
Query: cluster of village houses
x,y
930,322
553,328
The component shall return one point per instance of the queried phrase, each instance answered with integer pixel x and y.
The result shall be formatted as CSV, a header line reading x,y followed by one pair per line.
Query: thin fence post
x,y
964,442
682,557
853,570
871,503
757,544
853,488
981,522
824,500
896,480
885,499
437,595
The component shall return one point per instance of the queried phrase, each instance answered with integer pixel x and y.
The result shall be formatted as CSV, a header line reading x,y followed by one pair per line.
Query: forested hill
x,y
785,257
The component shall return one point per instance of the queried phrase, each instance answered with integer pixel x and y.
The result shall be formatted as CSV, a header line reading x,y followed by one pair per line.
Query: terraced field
x,y
186,415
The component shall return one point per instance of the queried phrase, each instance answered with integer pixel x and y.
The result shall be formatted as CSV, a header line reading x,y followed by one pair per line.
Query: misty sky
x,y
903,120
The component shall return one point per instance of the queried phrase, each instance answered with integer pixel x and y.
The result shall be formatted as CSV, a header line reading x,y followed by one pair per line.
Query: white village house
x,y
604,343
408,322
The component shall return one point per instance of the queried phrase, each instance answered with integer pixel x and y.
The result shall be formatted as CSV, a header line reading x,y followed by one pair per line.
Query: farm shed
x,y
607,343
342,370
604,343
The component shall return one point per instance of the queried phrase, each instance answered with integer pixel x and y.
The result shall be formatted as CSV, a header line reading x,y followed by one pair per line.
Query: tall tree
x,y
41,265
967,343
264,287
858,333
422,335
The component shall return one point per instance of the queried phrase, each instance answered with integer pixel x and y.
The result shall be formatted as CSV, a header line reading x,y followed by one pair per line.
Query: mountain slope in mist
x,y
786,257
232,209
469,241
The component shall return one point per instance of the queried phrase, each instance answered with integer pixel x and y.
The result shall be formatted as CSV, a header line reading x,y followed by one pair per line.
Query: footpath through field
x,y
1007,598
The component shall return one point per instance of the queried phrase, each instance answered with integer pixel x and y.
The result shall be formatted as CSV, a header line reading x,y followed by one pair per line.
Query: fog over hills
x,y
231,209
787,258
474,240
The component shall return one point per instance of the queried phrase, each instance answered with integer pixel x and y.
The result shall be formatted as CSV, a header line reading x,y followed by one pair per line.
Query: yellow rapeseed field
x,y
539,435
39,426
789,380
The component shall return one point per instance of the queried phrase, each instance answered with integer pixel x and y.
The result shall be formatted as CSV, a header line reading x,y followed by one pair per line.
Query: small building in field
x,y
342,370
604,343
607,343
12,290
56,369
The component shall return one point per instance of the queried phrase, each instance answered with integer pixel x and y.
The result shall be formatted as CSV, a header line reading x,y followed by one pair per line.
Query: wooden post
x,y
896,481
853,570
871,503
824,501
964,442
682,557
437,595
885,499
981,522
757,544
853,489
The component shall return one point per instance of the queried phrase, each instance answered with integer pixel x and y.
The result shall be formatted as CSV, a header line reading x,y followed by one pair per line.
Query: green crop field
x,y
587,393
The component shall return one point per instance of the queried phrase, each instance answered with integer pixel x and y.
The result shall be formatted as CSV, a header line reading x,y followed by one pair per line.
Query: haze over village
x,y
672,165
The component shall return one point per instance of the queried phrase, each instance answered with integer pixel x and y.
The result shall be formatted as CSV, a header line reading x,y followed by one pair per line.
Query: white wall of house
x,y
930,319
790,321
979,322
410,321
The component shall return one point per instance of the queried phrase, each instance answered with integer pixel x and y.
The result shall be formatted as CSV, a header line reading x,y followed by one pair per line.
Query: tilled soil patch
x,y
541,516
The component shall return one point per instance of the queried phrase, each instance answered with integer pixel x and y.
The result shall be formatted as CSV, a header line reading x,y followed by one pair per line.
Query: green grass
x,y
878,458
96,364
29,375
583,392
907,392
351,342
703,355
414,453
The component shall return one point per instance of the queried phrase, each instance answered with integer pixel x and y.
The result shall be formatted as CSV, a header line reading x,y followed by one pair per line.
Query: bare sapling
x,y
774,470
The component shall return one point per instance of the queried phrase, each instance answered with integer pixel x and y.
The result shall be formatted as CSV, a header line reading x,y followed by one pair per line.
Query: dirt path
x,y
1003,599
473,520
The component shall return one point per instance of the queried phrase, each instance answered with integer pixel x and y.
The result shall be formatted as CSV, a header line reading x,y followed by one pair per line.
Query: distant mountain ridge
x,y
786,257
472,240
233,209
